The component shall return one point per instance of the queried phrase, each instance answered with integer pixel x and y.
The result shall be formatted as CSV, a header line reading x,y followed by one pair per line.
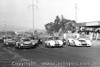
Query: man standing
x,y
64,35
91,36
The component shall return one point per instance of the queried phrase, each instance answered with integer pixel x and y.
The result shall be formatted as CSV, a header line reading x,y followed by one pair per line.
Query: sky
x,y
19,13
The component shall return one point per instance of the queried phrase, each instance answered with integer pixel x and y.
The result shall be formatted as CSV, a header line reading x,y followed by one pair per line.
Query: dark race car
x,y
25,43
35,37
9,42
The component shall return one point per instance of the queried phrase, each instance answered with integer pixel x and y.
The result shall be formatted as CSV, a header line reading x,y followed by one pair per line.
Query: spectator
x,y
64,36
91,36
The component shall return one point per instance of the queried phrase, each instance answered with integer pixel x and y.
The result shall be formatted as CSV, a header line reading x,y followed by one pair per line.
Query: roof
x,y
89,24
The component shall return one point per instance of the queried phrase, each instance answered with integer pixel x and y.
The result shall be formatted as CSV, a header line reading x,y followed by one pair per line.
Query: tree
x,y
60,24
67,24
57,25
70,26
49,27
63,23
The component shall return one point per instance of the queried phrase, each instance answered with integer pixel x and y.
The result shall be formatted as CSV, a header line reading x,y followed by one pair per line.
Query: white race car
x,y
54,42
79,42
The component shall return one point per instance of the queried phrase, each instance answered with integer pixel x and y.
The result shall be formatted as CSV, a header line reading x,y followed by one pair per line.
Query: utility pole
x,y
5,27
33,10
33,14
76,12
76,19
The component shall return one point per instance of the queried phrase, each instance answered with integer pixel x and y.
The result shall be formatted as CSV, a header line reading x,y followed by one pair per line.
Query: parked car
x,y
25,43
79,42
54,42
9,42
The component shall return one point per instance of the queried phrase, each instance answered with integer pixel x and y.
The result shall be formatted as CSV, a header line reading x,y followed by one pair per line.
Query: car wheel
x,y
40,41
16,46
46,45
74,44
68,43
19,46
62,46
50,45
5,44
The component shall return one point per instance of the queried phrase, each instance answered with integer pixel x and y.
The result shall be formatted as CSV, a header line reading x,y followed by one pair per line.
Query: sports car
x,y
54,42
79,42
25,43
36,38
9,42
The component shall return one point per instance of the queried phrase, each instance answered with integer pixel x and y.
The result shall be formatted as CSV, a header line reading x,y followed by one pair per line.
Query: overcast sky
x,y
16,12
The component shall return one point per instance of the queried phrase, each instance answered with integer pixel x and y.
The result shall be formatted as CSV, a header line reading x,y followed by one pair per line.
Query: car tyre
x,y
19,47
50,46
5,44
68,43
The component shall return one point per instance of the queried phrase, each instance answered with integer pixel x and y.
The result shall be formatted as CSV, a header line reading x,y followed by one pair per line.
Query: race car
x,y
25,43
9,42
37,38
54,42
1,39
79,42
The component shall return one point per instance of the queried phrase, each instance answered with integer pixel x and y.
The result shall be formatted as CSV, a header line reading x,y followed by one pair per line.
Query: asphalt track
x,y
66,56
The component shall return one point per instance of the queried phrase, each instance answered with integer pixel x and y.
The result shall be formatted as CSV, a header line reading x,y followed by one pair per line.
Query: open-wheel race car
x,y
79,42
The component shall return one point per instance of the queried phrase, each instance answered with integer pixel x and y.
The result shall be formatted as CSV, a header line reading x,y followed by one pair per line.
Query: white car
x,y
79,42
54,42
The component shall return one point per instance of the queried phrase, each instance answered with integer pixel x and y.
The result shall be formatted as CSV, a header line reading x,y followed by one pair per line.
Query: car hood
x,y
55,41
9,41
34,41
26,42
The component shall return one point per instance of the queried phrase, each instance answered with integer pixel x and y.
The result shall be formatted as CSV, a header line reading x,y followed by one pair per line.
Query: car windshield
x,y
8,39
26,39
54,38
82,40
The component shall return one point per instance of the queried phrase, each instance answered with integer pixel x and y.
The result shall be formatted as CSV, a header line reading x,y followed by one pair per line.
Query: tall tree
x,y
60,24
57,24
49,27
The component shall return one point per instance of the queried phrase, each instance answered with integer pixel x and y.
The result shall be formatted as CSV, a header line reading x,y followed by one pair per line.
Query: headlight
x,y
40,40
33,43
21,44
89,42
64,41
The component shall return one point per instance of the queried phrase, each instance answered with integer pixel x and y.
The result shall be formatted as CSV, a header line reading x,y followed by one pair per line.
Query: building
x,y
90,27
93,24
